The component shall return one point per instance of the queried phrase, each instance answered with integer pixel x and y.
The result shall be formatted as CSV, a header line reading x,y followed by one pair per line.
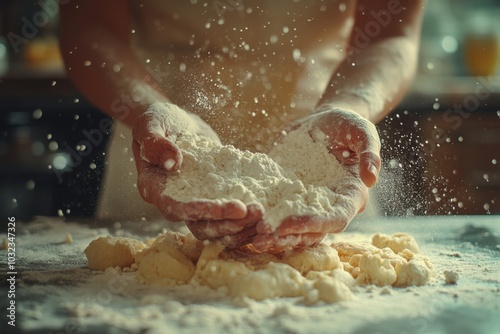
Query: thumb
x,y
154,147
369,167
160,151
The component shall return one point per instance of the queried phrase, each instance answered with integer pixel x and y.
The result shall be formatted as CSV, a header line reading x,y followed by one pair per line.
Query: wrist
x,y
346,101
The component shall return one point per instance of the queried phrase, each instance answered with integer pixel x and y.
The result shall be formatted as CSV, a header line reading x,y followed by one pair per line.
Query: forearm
x,y
375,77
374,80
111,77
100,62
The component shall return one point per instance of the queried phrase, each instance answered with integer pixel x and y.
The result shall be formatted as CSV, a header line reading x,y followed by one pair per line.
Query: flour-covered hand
x,y
157,156
354,141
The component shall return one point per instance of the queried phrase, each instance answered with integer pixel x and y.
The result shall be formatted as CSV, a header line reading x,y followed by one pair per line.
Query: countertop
x,y
56,293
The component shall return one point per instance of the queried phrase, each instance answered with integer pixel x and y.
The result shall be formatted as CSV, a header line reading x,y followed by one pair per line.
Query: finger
x,y
332,223
210,229
150,179
369,156
207,209
161,151
276,244
155,147
369,167
307,224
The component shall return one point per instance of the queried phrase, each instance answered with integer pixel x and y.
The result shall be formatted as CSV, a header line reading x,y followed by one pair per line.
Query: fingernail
x,y
169,164
373,169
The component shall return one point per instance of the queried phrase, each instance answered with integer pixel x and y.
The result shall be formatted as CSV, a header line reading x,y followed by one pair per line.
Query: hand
x,y
157,156
232,233
355,143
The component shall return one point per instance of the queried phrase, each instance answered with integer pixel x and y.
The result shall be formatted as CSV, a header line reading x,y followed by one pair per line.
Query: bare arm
x,y
382,58
371,80
96,50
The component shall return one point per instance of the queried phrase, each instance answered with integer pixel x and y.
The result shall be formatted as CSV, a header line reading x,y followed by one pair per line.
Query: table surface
x,y
55,292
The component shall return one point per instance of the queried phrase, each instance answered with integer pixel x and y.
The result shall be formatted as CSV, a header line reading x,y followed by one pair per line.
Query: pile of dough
x,y
389,260
320,273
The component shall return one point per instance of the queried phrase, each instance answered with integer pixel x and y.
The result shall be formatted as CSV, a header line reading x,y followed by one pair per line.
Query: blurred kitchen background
x,y
441,146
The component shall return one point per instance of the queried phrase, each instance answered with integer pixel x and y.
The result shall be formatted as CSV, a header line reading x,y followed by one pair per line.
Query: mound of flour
x,y
295,179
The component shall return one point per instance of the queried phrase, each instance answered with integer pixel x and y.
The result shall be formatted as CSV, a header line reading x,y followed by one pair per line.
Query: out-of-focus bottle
x,y
481,54
481,46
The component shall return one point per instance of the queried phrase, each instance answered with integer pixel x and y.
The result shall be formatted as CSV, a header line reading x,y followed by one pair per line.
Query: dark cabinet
x,y
51,160
442,156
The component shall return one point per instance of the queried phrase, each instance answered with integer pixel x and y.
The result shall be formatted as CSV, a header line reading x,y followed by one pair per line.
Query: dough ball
x,y
397,242
330,287
416,272
331,290
220,273
318,258
374,269
106,252
277,280
164,262
215,272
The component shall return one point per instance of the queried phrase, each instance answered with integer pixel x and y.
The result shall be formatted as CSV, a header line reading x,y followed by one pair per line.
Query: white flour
x,y
294,180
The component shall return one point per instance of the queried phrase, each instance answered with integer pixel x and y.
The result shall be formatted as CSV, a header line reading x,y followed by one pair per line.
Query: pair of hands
x,y
157,155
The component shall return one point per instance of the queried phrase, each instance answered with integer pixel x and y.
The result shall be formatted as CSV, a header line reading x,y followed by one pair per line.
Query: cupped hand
x,y
354,141
157,156
232,233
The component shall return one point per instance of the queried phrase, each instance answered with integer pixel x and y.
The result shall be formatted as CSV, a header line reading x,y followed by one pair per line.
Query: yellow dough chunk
x,y
398,242
106,252
167,261
215,272
276,280
318,258
390,260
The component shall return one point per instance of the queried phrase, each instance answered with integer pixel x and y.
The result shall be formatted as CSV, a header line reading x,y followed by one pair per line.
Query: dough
x,y
314,274
106,252
169,260
215,272
398,242
390,260
276,280
335,287
319,258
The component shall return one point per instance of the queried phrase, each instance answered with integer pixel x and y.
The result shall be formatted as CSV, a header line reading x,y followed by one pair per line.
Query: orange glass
x,y
481,54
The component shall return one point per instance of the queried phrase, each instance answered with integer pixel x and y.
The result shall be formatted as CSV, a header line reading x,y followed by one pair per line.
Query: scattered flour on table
x,y
327,273
296,177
